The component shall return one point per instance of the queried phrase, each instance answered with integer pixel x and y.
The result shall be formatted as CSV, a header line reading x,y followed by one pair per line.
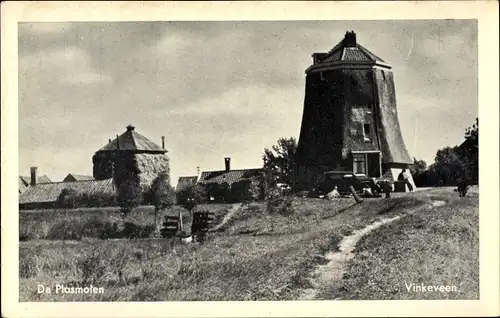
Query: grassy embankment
x,y
75,224
437,246
256,257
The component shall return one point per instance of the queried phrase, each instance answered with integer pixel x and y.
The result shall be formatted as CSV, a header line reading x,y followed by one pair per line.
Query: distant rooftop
x,y
49,192
230,177
77,177
186,181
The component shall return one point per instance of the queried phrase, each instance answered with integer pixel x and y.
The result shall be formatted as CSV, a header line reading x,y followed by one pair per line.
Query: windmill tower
x,y
350,120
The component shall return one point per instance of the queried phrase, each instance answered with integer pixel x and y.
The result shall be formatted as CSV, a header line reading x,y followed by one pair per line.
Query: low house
x,y
77,177
25,182
226,180
46,195
186,182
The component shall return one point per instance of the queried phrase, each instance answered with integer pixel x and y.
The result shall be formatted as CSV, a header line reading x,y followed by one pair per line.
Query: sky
x,y
222,89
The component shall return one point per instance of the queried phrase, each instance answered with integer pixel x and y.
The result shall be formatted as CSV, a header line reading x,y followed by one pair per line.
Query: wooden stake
x,y
355,195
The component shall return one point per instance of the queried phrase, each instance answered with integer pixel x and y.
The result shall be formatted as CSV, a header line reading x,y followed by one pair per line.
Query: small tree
x,y
449,165
189,197
162,194
129,196
280,160
418,167
470,151
67,198
240,191
224,192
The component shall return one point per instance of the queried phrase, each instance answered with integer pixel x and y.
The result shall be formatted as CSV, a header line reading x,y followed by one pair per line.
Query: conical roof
x,y
347,51
132,141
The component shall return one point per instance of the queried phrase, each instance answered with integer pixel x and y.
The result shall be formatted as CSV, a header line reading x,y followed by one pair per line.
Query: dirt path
x,y
227,217
331,273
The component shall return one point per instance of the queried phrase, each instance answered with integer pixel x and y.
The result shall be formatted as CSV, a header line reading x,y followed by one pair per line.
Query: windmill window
x,y
359,165
367,132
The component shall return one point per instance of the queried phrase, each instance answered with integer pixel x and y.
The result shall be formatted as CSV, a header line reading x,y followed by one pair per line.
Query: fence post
x,y
355,195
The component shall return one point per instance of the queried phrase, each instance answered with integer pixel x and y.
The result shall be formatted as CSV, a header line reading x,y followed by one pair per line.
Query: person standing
x,y
404,176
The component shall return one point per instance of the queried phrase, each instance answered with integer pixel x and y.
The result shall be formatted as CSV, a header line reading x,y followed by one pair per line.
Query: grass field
x,y
258,256
75,224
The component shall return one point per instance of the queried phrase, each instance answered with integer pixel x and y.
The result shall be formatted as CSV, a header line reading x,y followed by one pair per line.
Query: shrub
x,y
66,198
129,195
280,205
65,230
28,265
162,195
69,198
191,196
110,230
92,267
98,199
220,192
132,230
240,191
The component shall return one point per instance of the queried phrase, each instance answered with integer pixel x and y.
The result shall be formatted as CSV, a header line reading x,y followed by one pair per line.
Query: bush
x,y
191,195
93,227
69,198
66,198
92,267
65,230
109,230
28,264
240,191
132,230
220,192
130,195
280,205
96,227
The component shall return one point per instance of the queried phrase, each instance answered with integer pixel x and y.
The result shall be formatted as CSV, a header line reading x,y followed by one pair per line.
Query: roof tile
x,y
77,177
230,177
49,192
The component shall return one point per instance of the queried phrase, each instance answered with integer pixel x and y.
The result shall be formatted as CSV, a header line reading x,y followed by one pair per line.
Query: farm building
x,y
350,120
229,179
71,177
25,182
131,156
186,181
45,195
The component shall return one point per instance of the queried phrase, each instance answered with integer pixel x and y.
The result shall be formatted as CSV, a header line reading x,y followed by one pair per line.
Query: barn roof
x,y
186,181
231,176
49,192
132,140
77,177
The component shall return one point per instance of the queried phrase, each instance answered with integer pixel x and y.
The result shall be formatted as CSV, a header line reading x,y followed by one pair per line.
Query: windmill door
x,y
367,163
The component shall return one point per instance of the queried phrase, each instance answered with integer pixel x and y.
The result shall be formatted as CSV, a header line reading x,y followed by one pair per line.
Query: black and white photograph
x,y
248,160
